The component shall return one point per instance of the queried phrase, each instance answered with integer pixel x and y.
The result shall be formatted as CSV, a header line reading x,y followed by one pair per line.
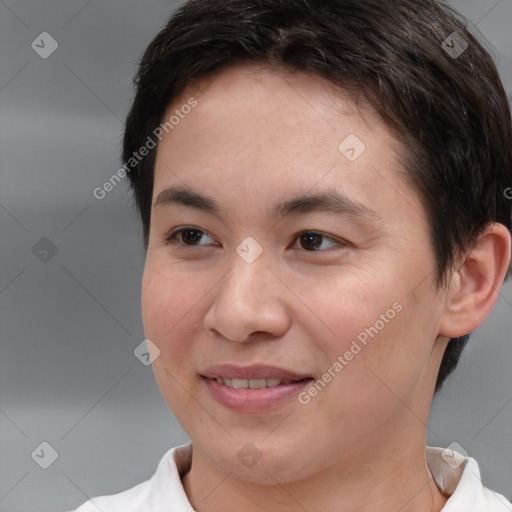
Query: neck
x,y
384,482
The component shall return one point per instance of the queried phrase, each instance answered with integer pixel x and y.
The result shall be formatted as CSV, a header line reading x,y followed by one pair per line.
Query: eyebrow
x,y
328,201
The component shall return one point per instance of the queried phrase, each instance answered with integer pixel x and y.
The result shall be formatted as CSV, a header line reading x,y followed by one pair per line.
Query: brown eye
x,y
185,236
312,241
190,236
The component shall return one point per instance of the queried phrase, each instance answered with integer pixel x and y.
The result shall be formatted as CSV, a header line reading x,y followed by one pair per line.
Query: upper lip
x,y
256,371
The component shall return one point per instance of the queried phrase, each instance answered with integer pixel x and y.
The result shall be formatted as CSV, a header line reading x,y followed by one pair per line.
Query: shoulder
x,y
127,501
496,502
458,476
157,493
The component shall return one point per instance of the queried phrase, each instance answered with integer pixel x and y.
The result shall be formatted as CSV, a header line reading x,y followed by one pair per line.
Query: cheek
x,y
168,298
350,305
156,294
376,325
170,322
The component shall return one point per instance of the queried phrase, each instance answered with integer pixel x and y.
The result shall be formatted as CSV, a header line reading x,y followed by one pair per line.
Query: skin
x,y
255,138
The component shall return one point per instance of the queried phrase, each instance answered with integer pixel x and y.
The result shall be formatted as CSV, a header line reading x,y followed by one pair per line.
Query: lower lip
x,y
253,400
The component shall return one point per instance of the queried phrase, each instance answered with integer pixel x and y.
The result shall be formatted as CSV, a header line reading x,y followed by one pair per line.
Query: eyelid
x,y
338,241
171,238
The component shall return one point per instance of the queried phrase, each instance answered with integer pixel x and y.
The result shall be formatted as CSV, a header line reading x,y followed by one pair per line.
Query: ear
x,y
475,285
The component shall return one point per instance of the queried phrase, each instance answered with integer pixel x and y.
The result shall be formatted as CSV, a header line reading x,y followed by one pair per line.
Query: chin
x,y
262,462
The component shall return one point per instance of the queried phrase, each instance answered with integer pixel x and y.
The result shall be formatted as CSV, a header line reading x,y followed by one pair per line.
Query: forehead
x,y
266,134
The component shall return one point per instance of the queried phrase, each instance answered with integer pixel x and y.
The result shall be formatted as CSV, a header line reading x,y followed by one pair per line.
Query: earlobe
x,y
475,285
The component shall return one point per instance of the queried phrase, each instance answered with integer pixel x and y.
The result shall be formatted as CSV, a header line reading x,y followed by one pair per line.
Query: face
x,y
324,305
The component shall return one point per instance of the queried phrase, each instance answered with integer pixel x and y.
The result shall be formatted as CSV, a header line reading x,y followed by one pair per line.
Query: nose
x,y
250,303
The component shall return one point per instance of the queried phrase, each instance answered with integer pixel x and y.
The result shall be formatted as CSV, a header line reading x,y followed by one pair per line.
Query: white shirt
x,y
163,492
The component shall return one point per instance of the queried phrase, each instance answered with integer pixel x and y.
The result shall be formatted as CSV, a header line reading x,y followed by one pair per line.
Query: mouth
x,y
253,389
239,383
256,376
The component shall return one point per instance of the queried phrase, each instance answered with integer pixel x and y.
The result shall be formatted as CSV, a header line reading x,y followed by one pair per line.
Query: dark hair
x,y
449,110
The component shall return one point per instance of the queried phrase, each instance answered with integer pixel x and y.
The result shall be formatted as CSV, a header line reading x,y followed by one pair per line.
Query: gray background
x,y
69,326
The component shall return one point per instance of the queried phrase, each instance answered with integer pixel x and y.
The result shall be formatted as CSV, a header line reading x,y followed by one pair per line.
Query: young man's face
x,y
351,305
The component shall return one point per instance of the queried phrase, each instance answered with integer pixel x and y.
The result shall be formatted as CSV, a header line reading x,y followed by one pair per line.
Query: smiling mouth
x,y
256,383
255,389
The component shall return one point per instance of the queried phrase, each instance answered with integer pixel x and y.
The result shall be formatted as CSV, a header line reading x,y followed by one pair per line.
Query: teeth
x,y
239,383
251,383
257,383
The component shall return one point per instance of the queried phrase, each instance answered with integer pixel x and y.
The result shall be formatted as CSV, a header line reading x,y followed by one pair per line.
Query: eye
x,y
187,235
312,240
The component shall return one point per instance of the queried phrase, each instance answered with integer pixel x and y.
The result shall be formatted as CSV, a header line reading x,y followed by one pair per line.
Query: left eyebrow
x,y
328,201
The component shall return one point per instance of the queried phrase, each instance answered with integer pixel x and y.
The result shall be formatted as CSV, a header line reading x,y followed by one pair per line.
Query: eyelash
x,y
171,238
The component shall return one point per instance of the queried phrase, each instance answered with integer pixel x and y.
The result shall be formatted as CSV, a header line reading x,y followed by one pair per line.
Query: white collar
x,y
164,491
